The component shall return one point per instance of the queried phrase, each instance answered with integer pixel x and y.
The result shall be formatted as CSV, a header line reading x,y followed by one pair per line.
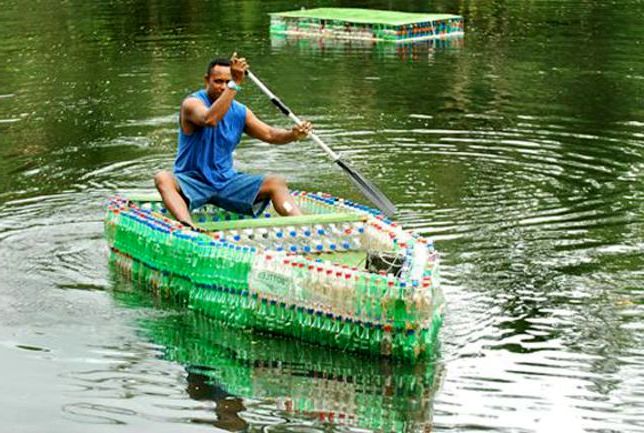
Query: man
x,y
211,123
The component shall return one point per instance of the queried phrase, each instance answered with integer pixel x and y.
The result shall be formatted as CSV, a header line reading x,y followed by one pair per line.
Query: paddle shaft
x,y
287,112
368,189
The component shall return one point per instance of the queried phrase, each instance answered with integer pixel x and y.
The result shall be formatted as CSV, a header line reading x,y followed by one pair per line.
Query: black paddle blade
x,y
368,189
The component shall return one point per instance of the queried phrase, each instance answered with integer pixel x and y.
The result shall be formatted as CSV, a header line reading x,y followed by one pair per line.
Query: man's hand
x,y
301,131
238,67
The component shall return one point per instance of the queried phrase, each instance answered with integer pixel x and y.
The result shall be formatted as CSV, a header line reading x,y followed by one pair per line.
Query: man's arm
x,y
261,131
195,113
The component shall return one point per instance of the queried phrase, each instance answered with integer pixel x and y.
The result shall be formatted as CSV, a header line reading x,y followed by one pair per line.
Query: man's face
x,y
217,80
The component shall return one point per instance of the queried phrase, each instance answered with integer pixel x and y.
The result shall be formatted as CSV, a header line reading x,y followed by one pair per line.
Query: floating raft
x,y
366,24
342,275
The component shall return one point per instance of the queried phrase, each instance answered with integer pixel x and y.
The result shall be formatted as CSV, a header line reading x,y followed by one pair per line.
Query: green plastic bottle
x,y
398,343
376,339
316,327
327,329
344,337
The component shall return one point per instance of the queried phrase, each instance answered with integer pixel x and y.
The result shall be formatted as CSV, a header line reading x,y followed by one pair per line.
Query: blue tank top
x,y
207,153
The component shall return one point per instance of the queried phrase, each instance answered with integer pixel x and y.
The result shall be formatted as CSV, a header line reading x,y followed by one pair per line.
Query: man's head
x,y
217,76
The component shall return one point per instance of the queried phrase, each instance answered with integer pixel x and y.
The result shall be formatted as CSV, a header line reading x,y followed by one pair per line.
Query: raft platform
x,y
366,24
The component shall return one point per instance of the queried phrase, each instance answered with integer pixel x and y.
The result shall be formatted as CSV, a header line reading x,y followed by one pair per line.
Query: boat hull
x,y
305,278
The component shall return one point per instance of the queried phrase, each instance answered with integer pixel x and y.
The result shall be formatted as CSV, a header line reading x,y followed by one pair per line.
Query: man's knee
x,y
275,183
164,180
273,186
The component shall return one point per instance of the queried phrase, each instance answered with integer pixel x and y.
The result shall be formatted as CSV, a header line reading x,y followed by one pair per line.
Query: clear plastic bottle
x,y
361,296
390,299
349,295
319,231
337,296
262,236
386,341
234,236
278,238
318,247
334,233
328,245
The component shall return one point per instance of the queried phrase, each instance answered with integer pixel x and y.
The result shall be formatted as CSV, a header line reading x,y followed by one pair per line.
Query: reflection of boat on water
x,y
291,378
320,45
303,379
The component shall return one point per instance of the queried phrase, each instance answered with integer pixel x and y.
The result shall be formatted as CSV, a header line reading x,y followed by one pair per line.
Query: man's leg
x,y
275,188
171,194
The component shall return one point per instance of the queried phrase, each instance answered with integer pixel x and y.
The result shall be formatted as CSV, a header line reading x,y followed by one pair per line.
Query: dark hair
x,y
217,62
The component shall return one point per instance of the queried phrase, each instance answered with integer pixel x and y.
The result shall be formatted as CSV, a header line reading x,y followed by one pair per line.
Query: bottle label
x,y
270,282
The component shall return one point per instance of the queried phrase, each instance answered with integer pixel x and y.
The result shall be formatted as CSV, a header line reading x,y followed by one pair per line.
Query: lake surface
x,y
519,149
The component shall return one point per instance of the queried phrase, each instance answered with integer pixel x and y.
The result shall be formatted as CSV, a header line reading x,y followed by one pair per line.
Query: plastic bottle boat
x,y
341,275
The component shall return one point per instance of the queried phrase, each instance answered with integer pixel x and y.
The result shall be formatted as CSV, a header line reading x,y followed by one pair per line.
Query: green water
x,y
519,149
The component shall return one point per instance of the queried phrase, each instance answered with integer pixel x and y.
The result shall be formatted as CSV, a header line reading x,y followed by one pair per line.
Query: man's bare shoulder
x,y
191,102
191,114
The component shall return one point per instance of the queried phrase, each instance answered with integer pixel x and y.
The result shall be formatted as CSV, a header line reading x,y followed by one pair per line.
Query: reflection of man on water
x,y
201,387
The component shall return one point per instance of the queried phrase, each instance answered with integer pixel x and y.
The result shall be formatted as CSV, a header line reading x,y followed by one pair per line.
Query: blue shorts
x,y
238,194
